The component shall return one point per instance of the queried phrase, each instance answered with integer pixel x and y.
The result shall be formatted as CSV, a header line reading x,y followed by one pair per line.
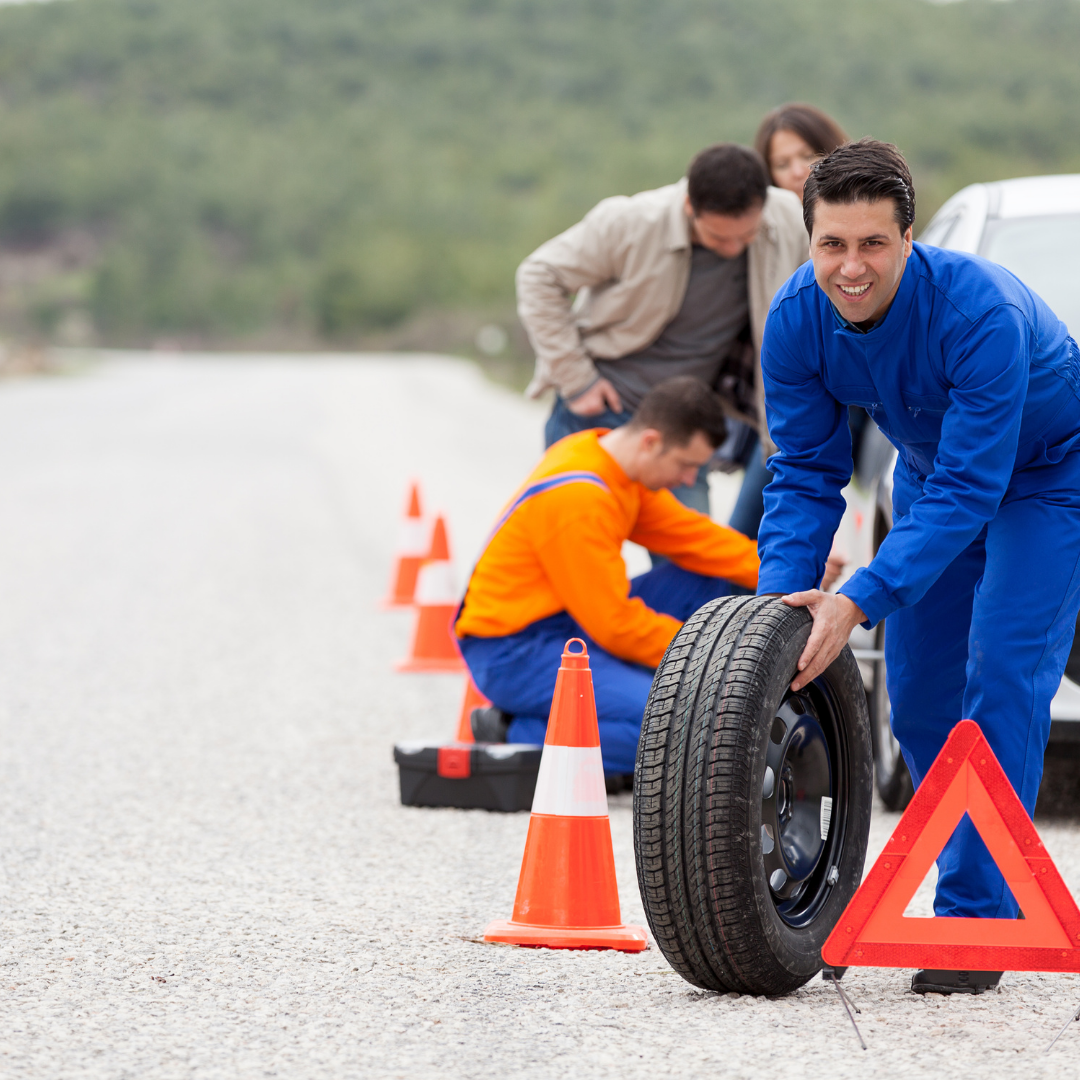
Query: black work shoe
x,y
490,724
931,981
616,782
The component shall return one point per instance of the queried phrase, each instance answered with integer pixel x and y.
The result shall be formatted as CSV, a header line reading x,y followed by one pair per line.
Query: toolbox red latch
x,y
455,762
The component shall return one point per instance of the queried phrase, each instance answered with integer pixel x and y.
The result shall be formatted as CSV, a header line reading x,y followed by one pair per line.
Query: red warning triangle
x,y
873,931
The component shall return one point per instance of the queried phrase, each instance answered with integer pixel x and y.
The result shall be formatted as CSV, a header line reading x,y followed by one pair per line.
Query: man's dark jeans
x,y
750,505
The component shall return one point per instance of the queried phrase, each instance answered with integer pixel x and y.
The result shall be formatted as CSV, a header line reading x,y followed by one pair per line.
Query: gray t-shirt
x,y
714,312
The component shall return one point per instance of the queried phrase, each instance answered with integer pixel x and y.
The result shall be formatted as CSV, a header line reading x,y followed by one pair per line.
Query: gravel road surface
x,y
206,869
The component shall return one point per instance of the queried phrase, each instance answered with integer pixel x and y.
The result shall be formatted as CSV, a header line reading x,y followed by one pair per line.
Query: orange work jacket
x,y
561,550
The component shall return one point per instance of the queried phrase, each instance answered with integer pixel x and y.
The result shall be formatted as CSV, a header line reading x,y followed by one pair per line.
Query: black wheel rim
x,y
803,803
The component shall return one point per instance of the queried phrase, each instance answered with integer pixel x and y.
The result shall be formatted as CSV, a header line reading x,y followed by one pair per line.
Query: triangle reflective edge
x,y
873,931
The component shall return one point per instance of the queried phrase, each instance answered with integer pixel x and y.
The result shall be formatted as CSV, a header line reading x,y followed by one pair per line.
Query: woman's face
x,y
790,158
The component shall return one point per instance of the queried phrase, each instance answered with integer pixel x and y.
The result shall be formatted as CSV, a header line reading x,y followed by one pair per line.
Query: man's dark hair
x,y
865,170
727,179
680,406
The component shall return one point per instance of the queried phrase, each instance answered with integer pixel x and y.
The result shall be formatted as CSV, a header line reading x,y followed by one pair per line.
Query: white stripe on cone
x,y
413,537
571,782
435,584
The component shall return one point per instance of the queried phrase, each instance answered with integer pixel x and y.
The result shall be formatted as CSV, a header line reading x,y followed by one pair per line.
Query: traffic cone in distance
x,y
567,896
434,647
411,549
473,699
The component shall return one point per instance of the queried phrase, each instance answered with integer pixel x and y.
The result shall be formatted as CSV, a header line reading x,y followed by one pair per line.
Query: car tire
x,y
891,775
731,774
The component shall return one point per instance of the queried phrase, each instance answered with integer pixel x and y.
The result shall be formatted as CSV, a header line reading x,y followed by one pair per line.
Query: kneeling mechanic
x,y
977,384
553,569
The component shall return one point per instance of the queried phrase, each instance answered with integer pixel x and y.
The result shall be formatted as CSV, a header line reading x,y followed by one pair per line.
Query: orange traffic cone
x,y
473,699
567,896
411,549
434,647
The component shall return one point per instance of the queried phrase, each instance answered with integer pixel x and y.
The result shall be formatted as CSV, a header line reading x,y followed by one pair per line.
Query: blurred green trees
x,y
328,167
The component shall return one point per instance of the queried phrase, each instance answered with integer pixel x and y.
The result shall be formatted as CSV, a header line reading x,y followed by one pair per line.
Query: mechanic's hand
x,y
835,616
600,396
834,567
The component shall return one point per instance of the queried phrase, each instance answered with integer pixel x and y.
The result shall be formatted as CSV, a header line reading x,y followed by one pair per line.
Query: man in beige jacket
x,y
675,281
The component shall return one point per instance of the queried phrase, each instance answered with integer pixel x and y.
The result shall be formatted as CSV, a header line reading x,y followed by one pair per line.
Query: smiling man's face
x,y
859,255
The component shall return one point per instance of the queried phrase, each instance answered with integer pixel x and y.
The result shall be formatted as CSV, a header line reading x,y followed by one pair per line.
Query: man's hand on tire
x,y
835,616
600,396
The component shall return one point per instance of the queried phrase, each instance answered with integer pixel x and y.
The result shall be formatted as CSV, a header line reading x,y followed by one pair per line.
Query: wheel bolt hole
x,y
769,785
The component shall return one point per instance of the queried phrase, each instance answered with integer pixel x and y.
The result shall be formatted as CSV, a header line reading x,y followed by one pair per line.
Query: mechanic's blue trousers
x,y
989,641
517,672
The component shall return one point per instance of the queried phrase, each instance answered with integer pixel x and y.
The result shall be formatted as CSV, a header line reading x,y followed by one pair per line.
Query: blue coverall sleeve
x,y
804,501
987,367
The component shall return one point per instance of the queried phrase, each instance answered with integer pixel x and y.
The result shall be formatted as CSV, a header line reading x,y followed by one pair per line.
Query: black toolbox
x,y
483,776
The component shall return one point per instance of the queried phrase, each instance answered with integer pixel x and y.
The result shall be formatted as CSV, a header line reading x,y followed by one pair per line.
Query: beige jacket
x,y
628,263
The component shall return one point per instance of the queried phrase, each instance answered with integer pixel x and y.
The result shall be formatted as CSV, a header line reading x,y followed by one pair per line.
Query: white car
x,y
1030,226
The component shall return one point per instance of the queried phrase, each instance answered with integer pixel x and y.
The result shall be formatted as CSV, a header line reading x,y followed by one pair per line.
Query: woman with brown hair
x,y
791,138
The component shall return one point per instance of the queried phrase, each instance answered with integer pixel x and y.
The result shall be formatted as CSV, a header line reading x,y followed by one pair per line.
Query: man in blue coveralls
x,y
977,384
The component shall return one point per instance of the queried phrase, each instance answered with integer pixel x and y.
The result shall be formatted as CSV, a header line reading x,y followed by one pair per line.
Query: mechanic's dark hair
x,y
678,407
727,179
866,169
817,129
